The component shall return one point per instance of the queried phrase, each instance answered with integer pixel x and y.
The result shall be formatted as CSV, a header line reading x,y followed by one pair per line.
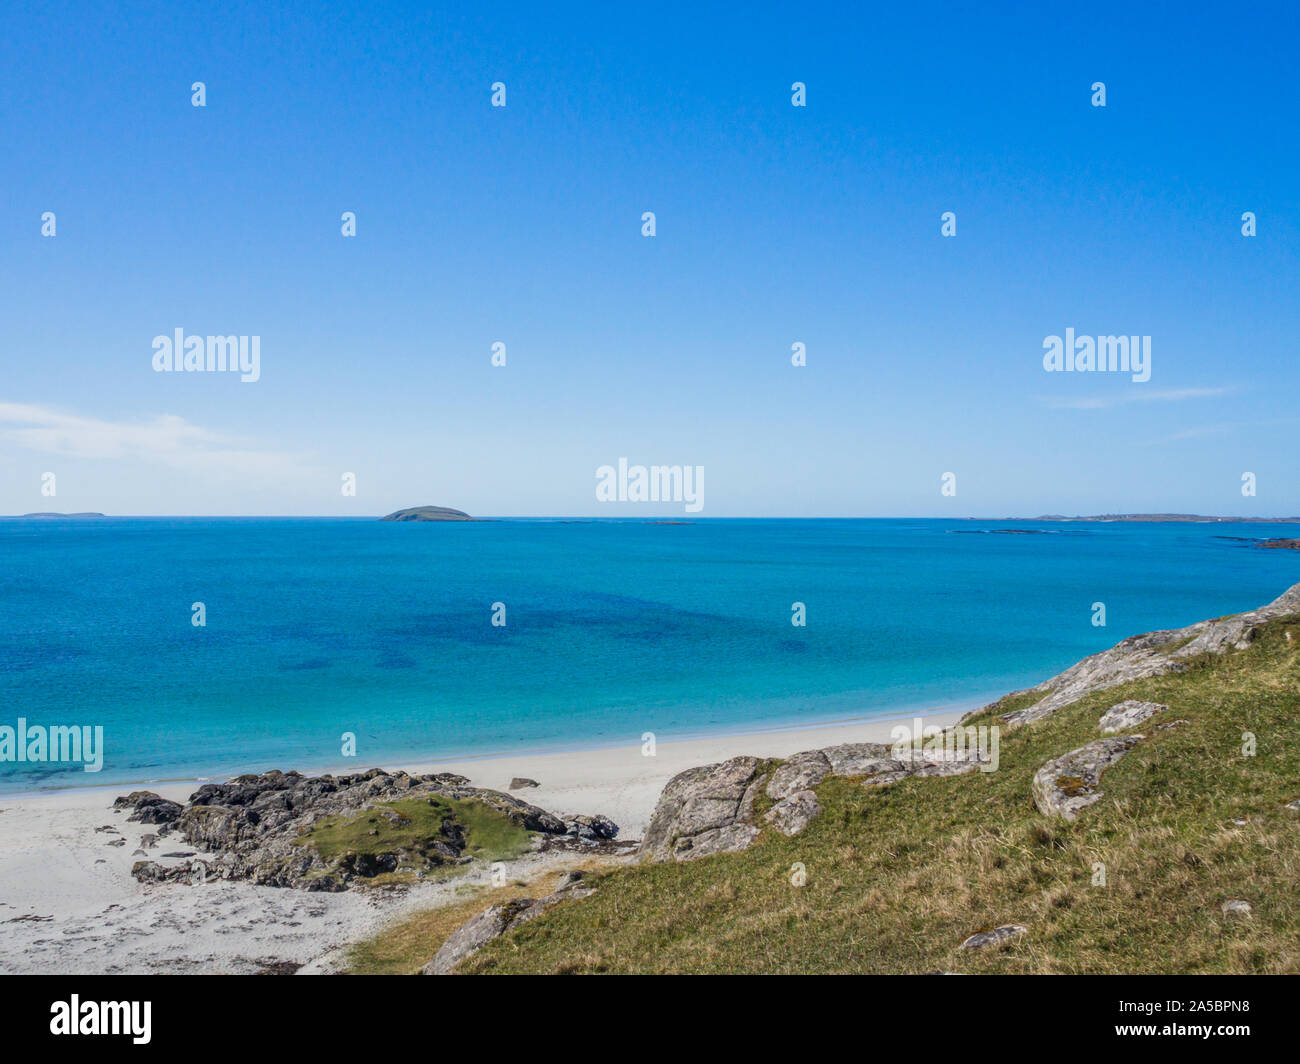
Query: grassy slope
x,y
898,877
407,946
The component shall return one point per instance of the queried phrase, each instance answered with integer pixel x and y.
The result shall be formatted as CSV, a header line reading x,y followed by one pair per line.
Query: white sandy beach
x,y
69,904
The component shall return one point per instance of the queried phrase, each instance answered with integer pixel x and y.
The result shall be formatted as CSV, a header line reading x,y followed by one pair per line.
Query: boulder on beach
x,y
148,808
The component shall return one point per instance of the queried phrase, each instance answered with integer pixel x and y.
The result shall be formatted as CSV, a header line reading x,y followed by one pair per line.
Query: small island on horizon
x,y
428,513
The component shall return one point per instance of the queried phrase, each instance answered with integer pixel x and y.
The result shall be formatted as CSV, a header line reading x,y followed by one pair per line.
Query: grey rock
x,y
1150,654
495,921
1067,784
923,764
591,827
710,809
859,759
474,935
729,839
793,813
746,811
1294,806
520,782
148,808
798,773
886,778
1128,714
700,812
1236,907
995,937
1172,724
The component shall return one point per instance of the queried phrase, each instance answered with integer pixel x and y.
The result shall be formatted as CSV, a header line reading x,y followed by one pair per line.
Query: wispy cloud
x,y
164,439
1223,428
1132,394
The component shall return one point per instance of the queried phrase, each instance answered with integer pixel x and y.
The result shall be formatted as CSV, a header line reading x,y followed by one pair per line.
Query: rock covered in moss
x,y
1069,783
263,827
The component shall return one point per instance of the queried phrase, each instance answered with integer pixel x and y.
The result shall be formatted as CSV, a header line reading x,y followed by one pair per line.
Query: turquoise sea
x,y
317,627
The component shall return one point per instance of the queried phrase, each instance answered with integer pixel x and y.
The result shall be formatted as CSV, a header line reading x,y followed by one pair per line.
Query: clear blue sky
x,y
775,224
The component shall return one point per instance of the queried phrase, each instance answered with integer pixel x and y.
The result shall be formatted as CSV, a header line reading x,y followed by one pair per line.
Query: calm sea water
x,y
316,627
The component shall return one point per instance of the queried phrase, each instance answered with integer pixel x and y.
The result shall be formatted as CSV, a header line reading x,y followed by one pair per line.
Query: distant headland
x,y
1192,518
63,515
428,513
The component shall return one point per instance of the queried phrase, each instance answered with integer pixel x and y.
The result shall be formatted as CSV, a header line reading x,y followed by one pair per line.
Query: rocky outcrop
x,y
798,774
710,809
1066,785
794,812
1128,714
262,828
148,808
704,810
924,764
1151,654
496,920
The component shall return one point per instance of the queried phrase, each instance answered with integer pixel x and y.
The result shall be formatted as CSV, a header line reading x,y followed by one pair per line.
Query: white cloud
x,y
1132,394
164,440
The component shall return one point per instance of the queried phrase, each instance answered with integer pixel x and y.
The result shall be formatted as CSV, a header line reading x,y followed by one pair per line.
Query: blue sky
x,y
775,224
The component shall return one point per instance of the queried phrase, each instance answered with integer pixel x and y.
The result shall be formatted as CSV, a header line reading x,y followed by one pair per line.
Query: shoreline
x,y
66,858
422,765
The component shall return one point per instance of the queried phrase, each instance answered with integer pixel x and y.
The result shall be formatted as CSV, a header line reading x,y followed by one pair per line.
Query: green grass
x,y
407,946
898,877
410,827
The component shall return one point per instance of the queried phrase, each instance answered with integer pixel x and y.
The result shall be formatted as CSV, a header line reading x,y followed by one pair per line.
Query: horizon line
x,y
1132,517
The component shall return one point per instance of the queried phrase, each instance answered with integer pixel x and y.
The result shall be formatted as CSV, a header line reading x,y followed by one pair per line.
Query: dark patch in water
x,y
304,666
